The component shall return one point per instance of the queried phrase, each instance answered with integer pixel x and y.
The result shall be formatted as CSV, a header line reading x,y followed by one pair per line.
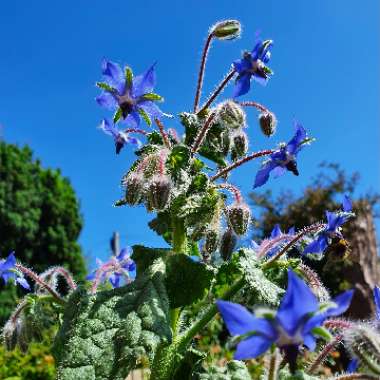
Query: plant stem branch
x,y
259,106
202,133
164,135
202,68
242,161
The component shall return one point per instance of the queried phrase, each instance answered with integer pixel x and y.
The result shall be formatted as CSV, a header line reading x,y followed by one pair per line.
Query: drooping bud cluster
x,y
239,144
238,216
363,342
211,241
268,123
134,188
230,115
226,30
227,244
159,192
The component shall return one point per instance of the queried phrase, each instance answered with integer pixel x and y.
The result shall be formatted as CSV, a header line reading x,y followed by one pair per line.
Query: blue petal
x,y
335,220
262,175
376,296
260,79
310,342
107,100
257,49
151,109
107,127
293,146
113,75
276,231
342,302
9,263
346,203
278,171
144,83
297,302
316,246
292,231
91,276
240,321
252,347
123,254
7,275
22,281
133,119
242,65
242,85
115,280
353,365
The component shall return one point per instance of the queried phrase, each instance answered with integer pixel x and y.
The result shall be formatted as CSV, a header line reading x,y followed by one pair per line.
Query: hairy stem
x,y
163,133
356,376
217,91
259,106
202,68
232,189
135,130
240,162
202,133
273,366
179,238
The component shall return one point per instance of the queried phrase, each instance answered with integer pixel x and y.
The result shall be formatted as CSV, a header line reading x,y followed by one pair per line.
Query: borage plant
x,y
139,307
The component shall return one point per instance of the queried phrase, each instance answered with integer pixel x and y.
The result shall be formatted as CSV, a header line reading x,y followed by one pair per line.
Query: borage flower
x,y
293,325
118,268
8,271
132,98
252,65
284,158
332,231
121,138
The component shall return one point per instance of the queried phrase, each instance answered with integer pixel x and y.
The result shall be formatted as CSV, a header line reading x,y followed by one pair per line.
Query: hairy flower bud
x,y
227,244
230,115
226,30
134,186
159,192
268,123
240,144
211,241
363,342
238,215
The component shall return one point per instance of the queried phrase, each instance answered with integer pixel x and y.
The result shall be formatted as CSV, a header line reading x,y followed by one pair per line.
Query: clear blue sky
x,y
325,59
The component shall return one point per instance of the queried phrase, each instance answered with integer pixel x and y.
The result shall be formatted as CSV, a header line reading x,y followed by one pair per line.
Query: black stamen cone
x,y
292,167
291,353
118,145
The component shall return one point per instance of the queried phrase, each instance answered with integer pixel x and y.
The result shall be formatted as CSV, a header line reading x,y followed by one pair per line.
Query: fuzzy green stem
x,y
179,238
174,315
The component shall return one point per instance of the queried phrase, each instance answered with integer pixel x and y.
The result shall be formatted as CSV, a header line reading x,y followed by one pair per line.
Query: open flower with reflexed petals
x,y
292,326
131,97
8,271
121,138
283,159
117,269
333,228
252,65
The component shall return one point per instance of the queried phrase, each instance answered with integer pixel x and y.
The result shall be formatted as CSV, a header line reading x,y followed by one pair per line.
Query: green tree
x,y
39,216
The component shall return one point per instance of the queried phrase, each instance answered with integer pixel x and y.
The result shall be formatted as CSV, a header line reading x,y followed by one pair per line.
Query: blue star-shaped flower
x,y
283,159
121,138
334,221
8,271
291,327
115,270
252,65
131,97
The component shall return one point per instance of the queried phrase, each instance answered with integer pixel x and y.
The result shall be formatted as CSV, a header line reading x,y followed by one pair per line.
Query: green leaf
x,y
234,370
153,96
186,280
161,225
118,115
261,290
179,158
145,116
105,335
105,86
285,374
144,257
128,76
190,360
322,333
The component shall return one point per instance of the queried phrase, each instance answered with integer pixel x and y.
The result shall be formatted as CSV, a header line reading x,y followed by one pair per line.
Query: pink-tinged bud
x,y
226,30
268,123
238,215
159,192
134,186
227,244
240,144
230,115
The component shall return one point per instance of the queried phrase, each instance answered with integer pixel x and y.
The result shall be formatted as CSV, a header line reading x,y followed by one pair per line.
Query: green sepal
x,y
128,76
322,333
118,115
179,158
105,86
145,116
152,96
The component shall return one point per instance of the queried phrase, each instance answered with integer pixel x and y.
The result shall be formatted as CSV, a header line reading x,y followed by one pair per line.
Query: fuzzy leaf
x,y
179,158
117,116
104,86
144,257
234,370
128,76
285,374
153,96
105,335
145,116
186,280
260,288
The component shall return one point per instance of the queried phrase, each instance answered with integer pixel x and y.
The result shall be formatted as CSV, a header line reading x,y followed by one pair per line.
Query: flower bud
x,y
238,215
240,144
227,244
363,342
268,123
159,192
134,185
211,241
226,30
230,115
